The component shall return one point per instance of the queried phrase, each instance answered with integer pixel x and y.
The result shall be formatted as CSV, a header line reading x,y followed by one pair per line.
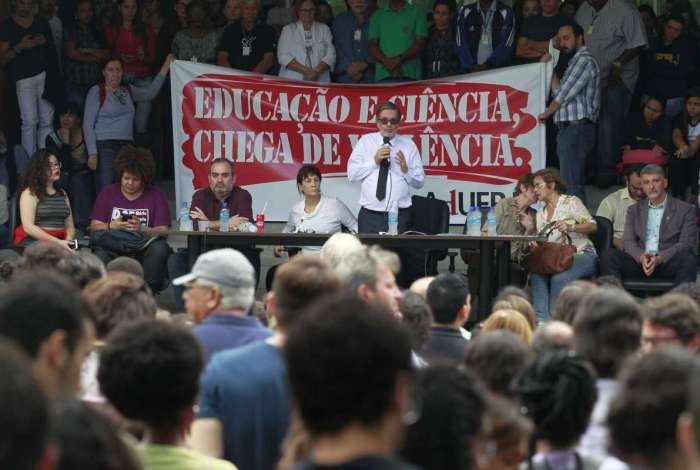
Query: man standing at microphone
x,y
387,164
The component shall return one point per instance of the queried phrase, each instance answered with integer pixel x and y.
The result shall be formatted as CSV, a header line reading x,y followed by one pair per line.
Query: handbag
x,y
551,257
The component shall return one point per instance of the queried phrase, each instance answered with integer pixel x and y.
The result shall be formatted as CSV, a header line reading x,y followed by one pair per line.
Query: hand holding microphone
x,y
384,152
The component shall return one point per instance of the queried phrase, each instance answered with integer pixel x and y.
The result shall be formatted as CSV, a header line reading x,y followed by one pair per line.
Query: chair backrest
x,y
603,237
429,215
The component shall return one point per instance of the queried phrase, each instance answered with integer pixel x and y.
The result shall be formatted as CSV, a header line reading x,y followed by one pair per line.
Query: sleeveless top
x,y
52,211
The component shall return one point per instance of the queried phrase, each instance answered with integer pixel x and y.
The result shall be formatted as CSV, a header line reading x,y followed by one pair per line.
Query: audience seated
x,y
519,304
244,408
24,411
370,274
51,321
453,413
510,433
670,319
566,308
116,299
448,298
546,389
305,49
420,286
607,330
81,268
86,438
355,410
648,134
131,217
561,216
416,315
614,206
219,293
45,212
149,371
126,265
691,289
652,248
552,335
337,247
688,437
497,357
643,418
509,320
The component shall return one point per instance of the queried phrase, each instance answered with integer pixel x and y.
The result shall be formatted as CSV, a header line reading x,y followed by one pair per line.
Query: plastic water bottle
x,y
224,217
491,222
393,219
474,222
185,222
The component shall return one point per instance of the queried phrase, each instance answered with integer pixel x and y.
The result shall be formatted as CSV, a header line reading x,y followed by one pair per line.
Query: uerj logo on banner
x,y
477,134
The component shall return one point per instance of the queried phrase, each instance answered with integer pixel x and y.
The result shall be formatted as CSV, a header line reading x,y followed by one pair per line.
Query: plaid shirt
x,y
579,91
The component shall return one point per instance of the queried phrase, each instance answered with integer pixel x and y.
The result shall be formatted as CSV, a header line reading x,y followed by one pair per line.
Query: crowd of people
x,y
336,368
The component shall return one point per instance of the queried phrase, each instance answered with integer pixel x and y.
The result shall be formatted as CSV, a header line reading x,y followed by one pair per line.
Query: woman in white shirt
x,y
316,213
568,216
305,49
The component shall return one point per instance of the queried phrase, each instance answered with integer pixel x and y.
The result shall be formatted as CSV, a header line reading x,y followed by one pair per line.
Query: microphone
x,y
387,140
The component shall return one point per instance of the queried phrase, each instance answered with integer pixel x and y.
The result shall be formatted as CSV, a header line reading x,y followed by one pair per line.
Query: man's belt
x,y
577,122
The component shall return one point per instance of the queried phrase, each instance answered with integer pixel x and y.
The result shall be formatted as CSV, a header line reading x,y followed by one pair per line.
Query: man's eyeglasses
x,y
387,121
55,165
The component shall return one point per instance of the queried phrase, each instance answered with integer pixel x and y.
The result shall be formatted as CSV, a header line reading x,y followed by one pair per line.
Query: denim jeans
x,y
614,103
36,113
143,108
574,142
546,289
107,151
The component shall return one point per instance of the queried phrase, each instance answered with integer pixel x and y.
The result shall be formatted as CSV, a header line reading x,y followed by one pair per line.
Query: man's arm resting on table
x,y
207,437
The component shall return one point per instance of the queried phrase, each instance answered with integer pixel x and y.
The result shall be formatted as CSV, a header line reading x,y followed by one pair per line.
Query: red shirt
x,y
239,203
125,43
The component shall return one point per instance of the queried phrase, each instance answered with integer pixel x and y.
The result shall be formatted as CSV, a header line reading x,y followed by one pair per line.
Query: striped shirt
x,y
579,90
52,211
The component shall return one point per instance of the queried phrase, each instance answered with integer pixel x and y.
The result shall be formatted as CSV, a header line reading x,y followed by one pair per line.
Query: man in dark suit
x,y
660,237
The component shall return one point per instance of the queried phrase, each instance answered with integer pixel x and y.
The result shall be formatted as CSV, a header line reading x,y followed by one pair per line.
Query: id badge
x,y
485,39
246,51
358,35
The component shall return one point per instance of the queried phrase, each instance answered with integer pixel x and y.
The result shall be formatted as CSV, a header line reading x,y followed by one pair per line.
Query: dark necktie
x,y
383,174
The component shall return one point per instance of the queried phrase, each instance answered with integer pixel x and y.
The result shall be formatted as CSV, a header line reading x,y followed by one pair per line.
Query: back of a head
x,y
36,304
691,289
416,315
510,429
552,335
338,246
509,320
453,404
43,255
676,311
446,296
81,267
118,298
497,358
521,304
126,265
549,387
420,285
344,358
607,329
149,371
512,290
569,299
88,439
24,420
299,283
654,391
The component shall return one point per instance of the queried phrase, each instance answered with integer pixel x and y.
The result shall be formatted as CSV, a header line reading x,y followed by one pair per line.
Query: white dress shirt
x,y
329,216
362,167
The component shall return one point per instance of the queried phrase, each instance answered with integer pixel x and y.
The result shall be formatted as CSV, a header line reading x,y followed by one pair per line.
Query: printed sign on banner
x,y
477,134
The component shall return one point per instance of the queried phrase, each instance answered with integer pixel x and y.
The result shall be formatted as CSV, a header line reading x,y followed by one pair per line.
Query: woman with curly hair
x,y
134,210
45,212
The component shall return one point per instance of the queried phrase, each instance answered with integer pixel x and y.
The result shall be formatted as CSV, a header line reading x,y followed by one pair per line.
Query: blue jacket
x,y
469,23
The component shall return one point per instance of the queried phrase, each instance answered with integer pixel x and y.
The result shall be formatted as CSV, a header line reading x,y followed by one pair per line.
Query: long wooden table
x,y
494,251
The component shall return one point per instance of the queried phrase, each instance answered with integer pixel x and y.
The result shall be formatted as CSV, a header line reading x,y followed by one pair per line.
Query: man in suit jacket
x,y
660,237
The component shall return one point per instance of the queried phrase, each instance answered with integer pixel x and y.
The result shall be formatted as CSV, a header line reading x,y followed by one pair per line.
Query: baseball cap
x,y
226,267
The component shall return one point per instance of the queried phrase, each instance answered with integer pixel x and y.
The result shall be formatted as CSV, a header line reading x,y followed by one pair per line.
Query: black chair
x,y
603,237
431,216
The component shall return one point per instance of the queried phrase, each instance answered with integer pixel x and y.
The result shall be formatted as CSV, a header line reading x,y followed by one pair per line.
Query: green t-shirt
x,y
158,457
395,32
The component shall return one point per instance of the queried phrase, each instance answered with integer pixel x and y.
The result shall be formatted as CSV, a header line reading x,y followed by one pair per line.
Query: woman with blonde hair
x,y
520,304
509,320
